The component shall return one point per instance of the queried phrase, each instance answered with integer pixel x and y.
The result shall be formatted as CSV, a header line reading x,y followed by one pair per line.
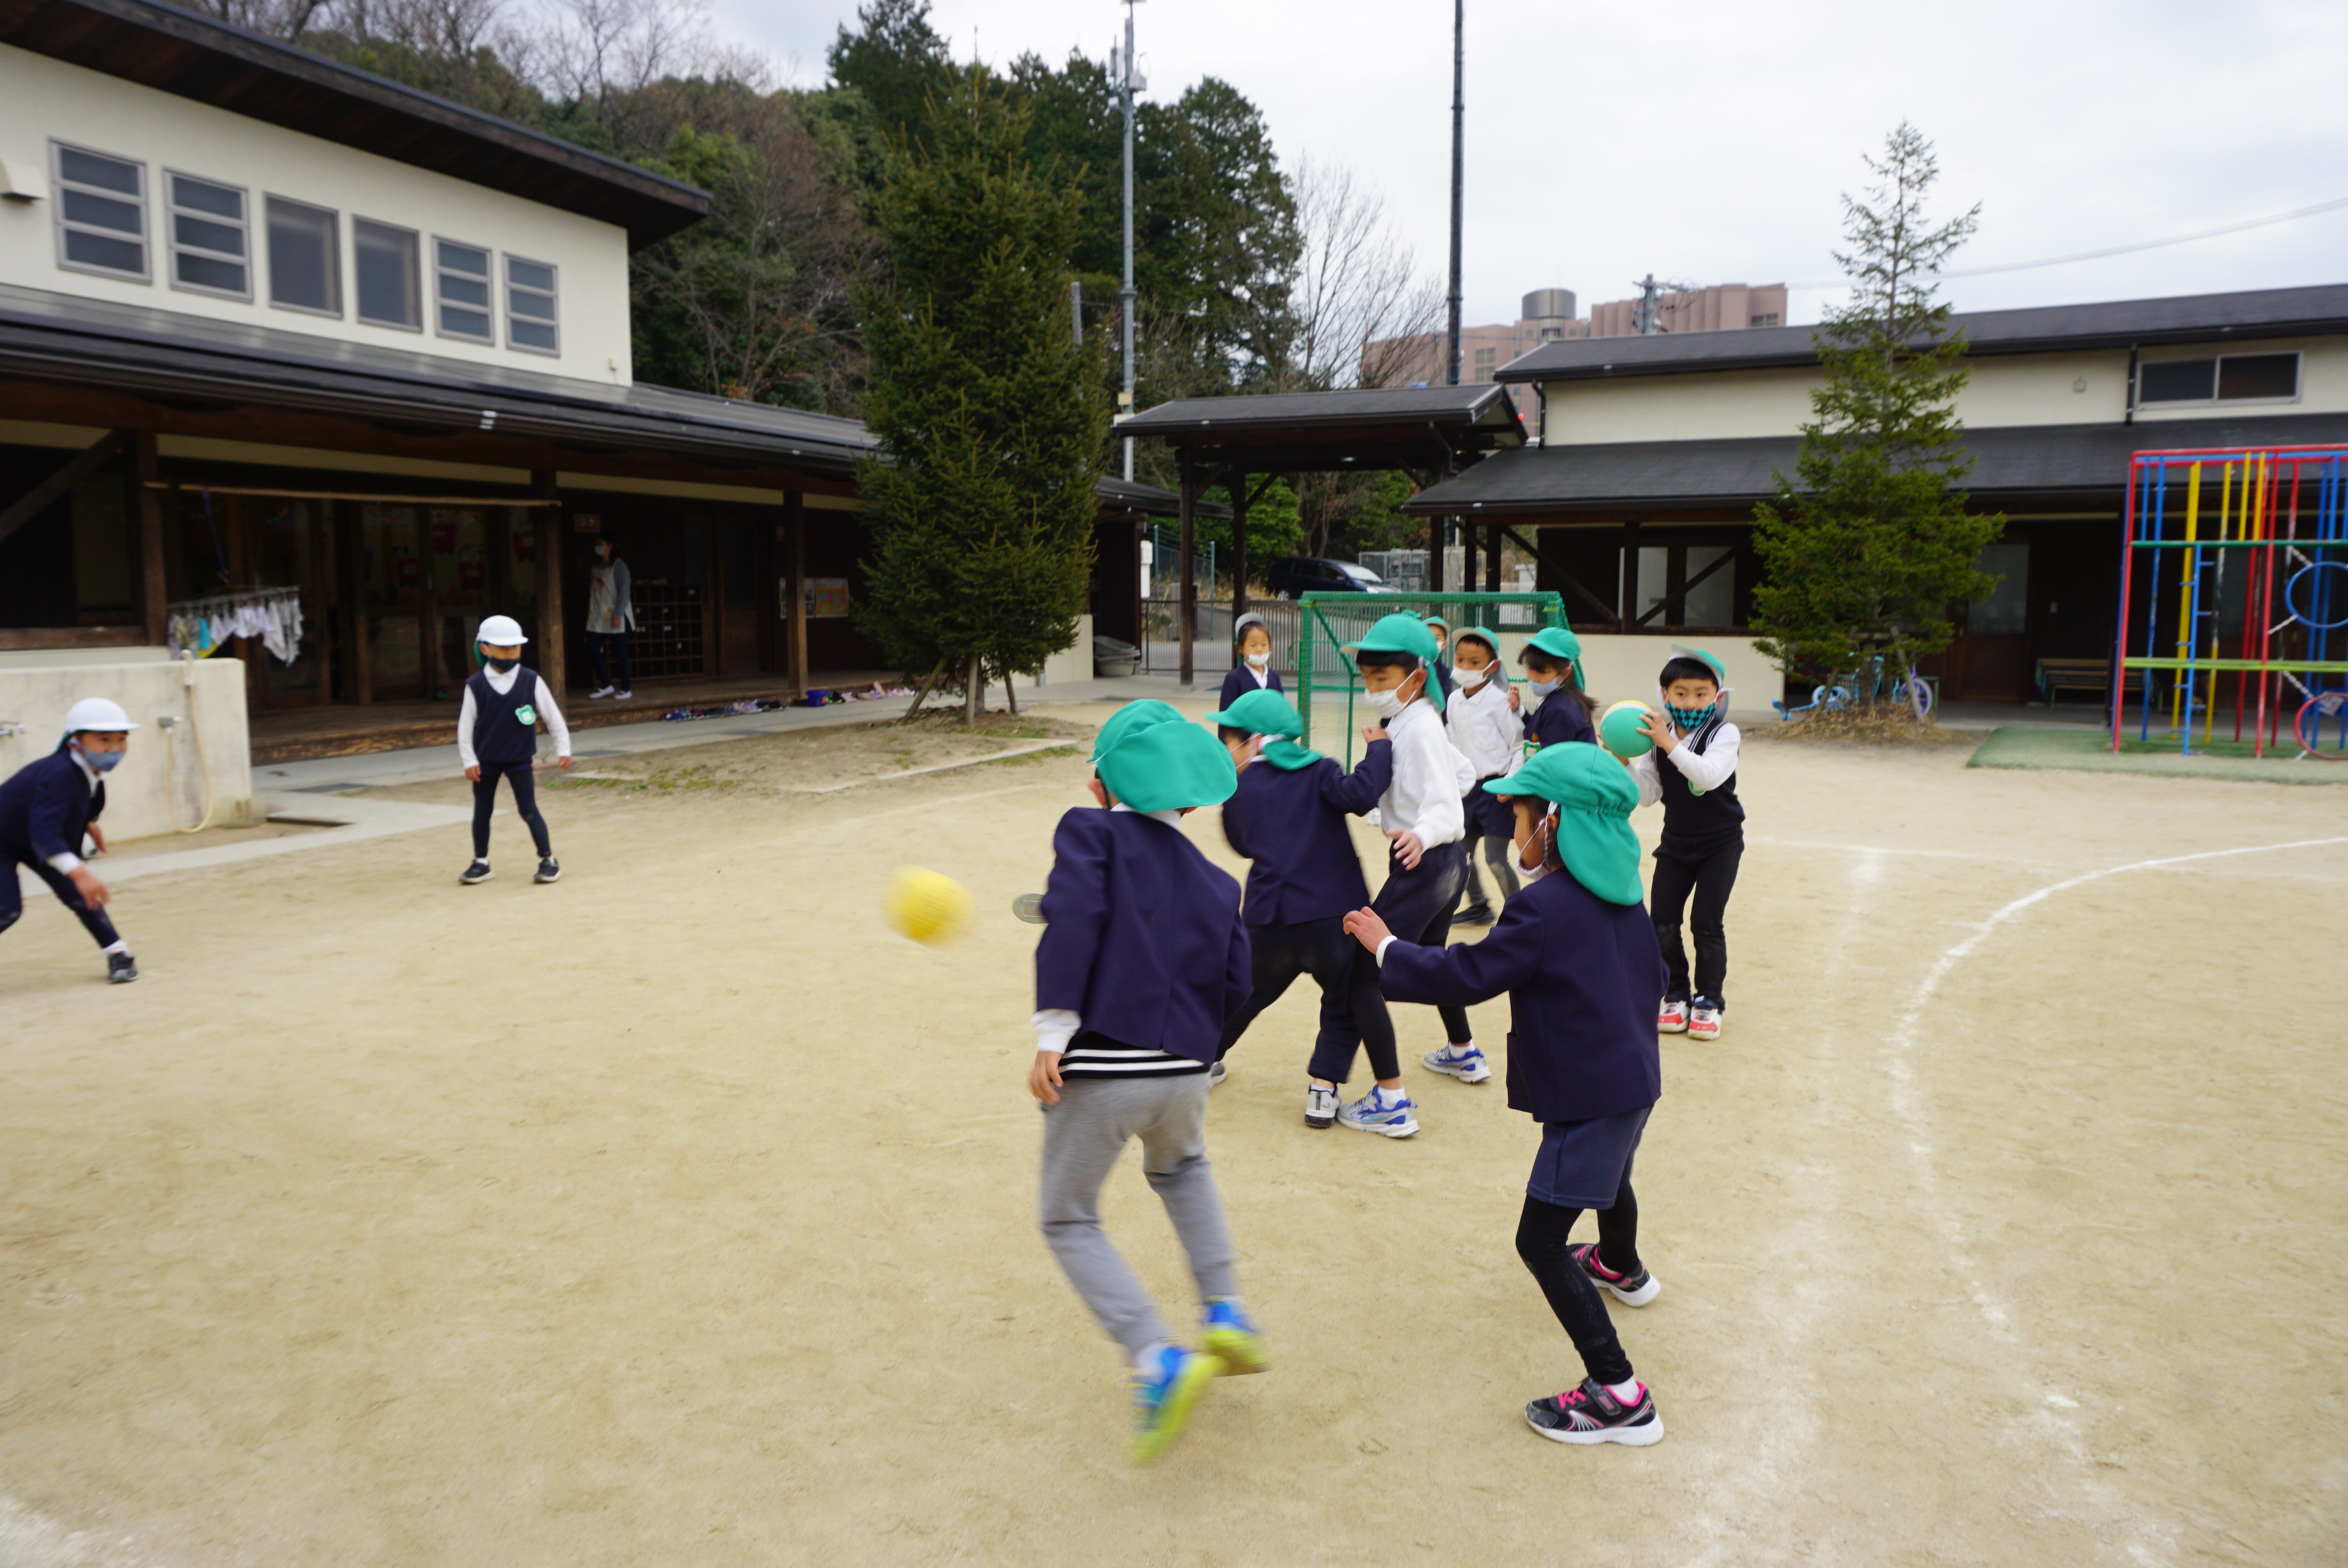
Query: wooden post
x,y
1468,573
1627,608
554,635
1492,562
1435,528
358,666
147,507
794,588
1237,482
1186,620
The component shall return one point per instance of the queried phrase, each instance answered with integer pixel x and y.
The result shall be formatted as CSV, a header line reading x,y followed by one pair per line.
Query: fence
x,y
1325,677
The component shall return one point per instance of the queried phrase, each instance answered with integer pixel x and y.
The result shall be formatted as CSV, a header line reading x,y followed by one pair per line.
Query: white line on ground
x,y
1025,751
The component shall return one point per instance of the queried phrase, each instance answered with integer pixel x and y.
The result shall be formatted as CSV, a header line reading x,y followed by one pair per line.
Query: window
x,y
101,213
2006,611
388,262
531,321
306,270
460,289
2225,378
1765,319
210,250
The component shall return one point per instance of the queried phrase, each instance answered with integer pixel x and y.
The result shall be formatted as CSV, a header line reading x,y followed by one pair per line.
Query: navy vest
x,y
500,734
1697,822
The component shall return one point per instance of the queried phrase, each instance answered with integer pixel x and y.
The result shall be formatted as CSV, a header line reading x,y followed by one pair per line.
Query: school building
x,y
1652,452
273,329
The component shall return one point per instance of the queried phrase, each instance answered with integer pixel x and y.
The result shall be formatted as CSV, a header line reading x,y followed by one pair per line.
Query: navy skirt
x,y
1582,1165
1488,816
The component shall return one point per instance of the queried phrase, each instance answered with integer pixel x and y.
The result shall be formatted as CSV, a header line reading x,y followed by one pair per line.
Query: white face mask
x,y
1259,659
1384,704
1469,680
1538,847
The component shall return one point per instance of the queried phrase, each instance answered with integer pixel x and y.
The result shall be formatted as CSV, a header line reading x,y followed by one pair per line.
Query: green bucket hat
x,y
1594,795
1265,711
1161,762
1401,633
1559,642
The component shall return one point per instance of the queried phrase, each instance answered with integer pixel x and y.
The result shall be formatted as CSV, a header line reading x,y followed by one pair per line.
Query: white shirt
x,y
1484,728
1707,772
65,861
1263,676
502,682
1055,1026
1430,777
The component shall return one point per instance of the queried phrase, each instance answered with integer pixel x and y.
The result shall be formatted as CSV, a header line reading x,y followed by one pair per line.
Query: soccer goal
x,y
1327,685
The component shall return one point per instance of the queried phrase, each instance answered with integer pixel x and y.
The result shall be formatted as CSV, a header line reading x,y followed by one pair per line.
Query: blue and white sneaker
x,y
1228,1333
1380,1110
1162,1399
1468,1066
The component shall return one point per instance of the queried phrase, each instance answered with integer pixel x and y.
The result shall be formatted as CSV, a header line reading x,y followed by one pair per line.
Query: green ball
x,y
1618,730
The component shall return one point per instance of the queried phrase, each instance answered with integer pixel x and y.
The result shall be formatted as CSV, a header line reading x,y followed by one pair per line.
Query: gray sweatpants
x,y
1082,1136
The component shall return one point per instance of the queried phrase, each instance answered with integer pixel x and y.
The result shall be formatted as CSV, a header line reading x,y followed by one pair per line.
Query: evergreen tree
x,y
896,63
990,417
1869,545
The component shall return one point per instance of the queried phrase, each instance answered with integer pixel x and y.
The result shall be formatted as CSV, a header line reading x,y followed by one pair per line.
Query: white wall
x,y
41,99
1074,662
141,795
1615,666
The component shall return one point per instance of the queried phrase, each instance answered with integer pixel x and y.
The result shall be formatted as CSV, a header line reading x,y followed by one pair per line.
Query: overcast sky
x,y
1709,141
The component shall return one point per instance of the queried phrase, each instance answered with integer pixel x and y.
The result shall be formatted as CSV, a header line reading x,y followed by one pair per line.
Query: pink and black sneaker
x,y
1630,1289
1591,1414
1671,1019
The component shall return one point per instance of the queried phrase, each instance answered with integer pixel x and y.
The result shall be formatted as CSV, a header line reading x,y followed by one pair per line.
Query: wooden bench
x,y
2057,675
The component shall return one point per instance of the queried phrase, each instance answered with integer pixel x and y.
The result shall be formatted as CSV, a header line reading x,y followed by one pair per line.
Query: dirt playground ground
x,y
679,1212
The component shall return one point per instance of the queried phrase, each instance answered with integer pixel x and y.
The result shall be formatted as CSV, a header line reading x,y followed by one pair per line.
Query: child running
x,y
1552,665
497,736
1420,812
1252,671
1572,952
45,808
1704,836
1288,818
1142,961
1486,727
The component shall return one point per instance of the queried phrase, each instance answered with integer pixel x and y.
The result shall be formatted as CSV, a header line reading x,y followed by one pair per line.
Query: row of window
x,y
209,241
2220,378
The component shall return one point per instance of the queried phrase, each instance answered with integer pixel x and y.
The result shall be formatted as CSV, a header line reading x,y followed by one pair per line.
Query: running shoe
x,y
1474,914
1673,1019
121,968
623,696
479,871
1630,1289
1703,1019
1162,1399
1468,1066
1320,1106
1591,1414
598,692
1381,1111
547,871
1217,1073
1228,1334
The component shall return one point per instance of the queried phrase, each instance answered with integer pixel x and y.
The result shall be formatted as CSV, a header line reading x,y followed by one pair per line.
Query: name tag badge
x,y
526,713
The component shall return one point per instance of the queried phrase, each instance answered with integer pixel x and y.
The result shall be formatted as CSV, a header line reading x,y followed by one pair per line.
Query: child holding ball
x,y
1692,770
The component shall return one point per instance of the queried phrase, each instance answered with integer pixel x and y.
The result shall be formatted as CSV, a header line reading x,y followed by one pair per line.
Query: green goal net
x,y
1327,685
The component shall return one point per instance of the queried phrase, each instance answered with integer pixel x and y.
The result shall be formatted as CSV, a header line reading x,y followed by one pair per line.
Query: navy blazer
x,y
1292,825
1560,717
47,805
1583,979
1142,939
1238,683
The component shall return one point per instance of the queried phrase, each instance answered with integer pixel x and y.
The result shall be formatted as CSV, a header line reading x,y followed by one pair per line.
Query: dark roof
x,y
1151,501
2186,318
1418,428
212,62
2051,461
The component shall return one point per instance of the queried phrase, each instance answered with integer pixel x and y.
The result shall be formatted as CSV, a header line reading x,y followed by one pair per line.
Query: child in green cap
x,y
1575,955
1563,710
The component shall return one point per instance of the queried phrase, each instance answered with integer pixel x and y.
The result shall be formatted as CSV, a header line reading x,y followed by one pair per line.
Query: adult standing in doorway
x,y
610,616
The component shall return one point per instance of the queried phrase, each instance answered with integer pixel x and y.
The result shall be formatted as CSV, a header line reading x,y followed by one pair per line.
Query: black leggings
x,y
525,794
1353,1012
1710,879
1543,1233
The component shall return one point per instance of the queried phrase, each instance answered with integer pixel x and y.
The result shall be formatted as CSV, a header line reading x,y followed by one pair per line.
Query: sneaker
x,y
623,696
1230,1338
1703,1019
1468,1066
547,871
1378,1113
1474,915
1163,1399
121,968
1673,1019
598,692
1217,1073
1630,1289
1320,1106
479,871
1589,1414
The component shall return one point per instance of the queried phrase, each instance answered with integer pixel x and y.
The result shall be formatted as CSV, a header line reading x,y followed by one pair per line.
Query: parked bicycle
x,y
1841,689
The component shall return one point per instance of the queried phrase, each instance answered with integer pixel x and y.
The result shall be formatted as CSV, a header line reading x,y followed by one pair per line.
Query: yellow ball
x,y
925,905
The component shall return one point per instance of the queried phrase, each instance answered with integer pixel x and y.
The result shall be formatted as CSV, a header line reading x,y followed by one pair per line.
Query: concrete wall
x,y
43,98
142,793
1074,662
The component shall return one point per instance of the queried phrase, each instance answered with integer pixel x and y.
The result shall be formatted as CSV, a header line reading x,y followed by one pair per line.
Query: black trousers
x,y
94,921
1352,1011
1543,1234
1416,905
525,794
1499,854
600,646
1710,877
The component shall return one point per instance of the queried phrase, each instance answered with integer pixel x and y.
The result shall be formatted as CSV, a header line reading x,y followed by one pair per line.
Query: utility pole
x,y
1648,317
1459,176
1128,82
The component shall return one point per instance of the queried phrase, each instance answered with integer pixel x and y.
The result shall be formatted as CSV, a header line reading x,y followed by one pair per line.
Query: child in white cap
x,y
497,736
48,805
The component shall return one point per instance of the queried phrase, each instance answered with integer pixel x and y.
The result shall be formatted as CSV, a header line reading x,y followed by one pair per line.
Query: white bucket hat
x,y
501,631
101,713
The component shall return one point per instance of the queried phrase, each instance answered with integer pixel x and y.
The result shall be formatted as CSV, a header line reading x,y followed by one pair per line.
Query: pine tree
x,y
1869,546
990,416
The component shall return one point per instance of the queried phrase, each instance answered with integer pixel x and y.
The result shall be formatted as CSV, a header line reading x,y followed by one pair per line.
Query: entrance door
x,y
1990,662
391,588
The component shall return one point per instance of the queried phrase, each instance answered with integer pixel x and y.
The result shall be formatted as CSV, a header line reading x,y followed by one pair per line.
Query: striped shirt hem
x,y
1090,1060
